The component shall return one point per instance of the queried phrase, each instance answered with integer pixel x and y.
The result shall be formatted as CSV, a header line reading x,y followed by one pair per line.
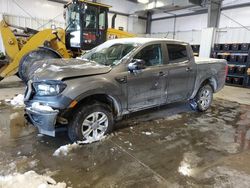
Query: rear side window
x,y
177,53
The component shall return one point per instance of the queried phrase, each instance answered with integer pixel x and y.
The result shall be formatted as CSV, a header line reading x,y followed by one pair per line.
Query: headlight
x,y
49,88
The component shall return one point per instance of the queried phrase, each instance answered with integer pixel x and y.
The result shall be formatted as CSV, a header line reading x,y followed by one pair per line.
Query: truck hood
x,y
59,69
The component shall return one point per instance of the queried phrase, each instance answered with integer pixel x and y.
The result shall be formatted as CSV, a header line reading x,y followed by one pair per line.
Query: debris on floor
x,y
173,117
91,139
147,133
29,179
17,101
66,149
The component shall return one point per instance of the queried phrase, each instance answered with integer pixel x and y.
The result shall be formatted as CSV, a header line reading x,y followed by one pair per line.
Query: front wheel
x,y
91,123
203,98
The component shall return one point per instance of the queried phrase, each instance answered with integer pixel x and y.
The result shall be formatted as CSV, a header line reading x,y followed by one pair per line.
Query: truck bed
x,y
211,68
201,60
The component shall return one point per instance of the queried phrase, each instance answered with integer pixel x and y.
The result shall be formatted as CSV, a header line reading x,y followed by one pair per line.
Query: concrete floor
x,y
170,146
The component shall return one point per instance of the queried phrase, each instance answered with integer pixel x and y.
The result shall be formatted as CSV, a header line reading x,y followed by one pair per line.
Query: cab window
x,y
177,53
152,55
90,19
102,20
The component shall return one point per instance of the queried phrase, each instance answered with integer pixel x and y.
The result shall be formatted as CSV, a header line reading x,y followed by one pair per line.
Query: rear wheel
x,y
203,98
28,64
91,123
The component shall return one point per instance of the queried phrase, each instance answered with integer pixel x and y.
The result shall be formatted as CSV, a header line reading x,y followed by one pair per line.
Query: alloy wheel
x,y
94,125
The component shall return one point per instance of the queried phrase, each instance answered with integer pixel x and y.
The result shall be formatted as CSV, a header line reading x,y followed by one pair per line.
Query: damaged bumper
x,y
44,111
44,120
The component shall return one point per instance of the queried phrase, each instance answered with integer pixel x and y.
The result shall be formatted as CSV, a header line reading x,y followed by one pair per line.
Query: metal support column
x,y
214,7
209,34
148,26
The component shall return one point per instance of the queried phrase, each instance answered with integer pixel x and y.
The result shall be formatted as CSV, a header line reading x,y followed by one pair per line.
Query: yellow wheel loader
x,y
86,27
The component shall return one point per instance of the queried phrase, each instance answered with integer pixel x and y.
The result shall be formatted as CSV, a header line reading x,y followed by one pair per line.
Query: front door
x,y
146,87
181,75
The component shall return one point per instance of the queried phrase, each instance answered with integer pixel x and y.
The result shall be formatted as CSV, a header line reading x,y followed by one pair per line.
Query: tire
x,y
203,98
79,128
28,64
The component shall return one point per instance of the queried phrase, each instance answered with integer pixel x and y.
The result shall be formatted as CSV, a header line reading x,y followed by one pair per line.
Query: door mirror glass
x,y
136,64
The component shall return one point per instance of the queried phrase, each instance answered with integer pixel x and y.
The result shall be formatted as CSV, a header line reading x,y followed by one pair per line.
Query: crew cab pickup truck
x,y
87,95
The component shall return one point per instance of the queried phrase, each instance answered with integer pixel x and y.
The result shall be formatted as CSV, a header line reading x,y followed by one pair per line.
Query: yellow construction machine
x,y
86,27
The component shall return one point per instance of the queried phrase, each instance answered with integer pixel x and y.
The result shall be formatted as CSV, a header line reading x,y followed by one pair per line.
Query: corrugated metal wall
x,y
223,35
192,37
189,28
34,23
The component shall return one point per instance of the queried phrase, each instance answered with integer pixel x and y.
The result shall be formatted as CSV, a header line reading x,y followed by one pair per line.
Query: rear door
x,y
181,71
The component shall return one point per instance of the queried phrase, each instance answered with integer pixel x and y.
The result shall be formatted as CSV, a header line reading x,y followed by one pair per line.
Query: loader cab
x,y
86,25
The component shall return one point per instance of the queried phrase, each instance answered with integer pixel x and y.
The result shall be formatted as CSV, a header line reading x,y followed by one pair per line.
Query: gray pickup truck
x,y
87,95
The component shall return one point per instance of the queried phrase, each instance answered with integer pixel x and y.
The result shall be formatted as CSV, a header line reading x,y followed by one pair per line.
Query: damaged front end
x,y
43,117
43,106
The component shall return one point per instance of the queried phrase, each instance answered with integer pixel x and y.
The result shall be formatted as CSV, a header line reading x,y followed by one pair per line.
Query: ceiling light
x,y
143,1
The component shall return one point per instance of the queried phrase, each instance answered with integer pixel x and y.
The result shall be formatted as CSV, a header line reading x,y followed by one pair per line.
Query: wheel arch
x,y
212,81
101,97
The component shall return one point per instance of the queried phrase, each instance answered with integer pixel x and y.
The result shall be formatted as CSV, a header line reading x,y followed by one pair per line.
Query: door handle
x,y
188,69
161,73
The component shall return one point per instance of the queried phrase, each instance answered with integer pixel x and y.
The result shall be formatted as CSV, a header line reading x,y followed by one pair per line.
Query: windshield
x,y
109,54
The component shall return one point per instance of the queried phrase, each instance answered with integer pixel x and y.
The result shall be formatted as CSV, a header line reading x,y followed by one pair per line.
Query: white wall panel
x,y
32,22
233,35
191,22
120,5
192,37
42,9
240,15
196,22
161,26
187,28
229,31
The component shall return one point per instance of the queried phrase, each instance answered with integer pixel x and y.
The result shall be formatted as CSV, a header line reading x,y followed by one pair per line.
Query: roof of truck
x,y
142,40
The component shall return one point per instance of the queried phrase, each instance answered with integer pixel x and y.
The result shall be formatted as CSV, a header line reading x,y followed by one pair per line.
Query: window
x,y
90,19
73,25
177,53
102,20
152,55
73,18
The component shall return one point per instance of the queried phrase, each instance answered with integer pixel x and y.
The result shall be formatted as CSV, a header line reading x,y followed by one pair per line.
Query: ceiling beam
x,y
203,11
59,1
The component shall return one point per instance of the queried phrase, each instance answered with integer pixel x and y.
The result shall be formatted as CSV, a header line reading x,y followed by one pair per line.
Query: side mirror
x,y
136,64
